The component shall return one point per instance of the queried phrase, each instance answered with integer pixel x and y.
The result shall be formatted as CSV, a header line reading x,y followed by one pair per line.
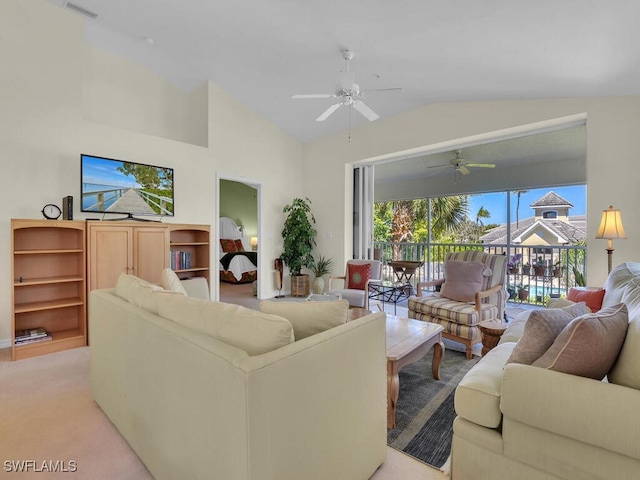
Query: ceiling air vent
x,y
81,11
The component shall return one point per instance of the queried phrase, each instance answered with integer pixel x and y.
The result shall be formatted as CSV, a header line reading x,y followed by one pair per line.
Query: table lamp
x,y
254,243
610,228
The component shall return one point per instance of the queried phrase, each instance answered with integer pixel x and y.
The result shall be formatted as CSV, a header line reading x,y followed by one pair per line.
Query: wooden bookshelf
x,y
192,242
49,284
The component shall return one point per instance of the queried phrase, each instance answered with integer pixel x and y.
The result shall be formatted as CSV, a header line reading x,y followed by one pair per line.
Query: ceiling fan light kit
x,y
348,93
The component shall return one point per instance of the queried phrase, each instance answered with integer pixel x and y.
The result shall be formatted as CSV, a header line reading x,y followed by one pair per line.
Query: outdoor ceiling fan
x,y
460,166
348,93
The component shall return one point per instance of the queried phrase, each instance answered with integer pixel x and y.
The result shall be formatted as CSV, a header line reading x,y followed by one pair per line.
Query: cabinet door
x,y
150,252
110,254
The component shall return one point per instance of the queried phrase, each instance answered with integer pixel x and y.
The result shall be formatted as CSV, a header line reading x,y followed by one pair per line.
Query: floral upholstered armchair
x,y
472,291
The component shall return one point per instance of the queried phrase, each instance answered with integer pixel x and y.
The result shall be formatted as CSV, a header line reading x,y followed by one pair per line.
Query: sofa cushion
x,y
170,281
541,330
593,298
196,287
462,280
459,312
309,318
358,275
252,331
626,370
477,396
129,287
589,345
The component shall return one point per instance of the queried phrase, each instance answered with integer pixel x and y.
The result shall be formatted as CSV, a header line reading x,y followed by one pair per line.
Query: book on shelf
x,y
28,341
180,260
30,333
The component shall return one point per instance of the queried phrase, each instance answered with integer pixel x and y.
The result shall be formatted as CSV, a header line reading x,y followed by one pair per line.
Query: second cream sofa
x,y
526,422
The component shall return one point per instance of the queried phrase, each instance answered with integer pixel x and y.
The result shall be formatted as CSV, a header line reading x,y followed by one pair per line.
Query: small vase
x,y
317,286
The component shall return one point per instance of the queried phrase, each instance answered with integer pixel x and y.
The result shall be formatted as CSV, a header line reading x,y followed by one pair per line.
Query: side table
x,y
491,330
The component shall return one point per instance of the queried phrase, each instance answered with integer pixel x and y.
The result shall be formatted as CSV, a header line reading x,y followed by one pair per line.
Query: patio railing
x,y
541,272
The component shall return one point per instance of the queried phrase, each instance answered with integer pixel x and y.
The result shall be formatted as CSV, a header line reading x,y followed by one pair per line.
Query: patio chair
x,y
472,291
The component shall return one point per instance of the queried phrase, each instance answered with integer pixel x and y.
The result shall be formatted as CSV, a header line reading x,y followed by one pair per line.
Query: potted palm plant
x,y
321,266
299,239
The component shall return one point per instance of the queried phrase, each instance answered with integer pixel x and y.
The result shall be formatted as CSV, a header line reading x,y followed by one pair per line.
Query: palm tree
x,y
448,214
518,193
401,224
482,213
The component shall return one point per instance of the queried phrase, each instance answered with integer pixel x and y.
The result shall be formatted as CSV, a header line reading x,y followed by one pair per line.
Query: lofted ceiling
x,y
263,52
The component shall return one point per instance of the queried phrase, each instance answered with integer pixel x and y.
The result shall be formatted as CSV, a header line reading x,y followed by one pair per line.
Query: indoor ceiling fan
x,y
348,93
460,166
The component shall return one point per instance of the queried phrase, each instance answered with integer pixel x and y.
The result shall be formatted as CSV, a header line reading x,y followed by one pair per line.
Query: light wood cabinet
x,y
49,284
126,247
190,246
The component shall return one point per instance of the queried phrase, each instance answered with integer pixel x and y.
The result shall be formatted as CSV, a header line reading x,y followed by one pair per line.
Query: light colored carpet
x,y
47,415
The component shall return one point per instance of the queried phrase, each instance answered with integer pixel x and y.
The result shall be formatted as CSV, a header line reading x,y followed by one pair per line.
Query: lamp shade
x,y
254,242
611,225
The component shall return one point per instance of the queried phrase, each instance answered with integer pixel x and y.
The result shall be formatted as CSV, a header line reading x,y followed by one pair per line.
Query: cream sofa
x,y
525,422
207,390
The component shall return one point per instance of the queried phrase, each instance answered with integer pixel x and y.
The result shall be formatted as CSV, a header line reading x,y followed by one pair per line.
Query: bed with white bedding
x,y
238,264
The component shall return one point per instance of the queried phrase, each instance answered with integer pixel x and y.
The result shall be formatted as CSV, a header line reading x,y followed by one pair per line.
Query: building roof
x,y
551,199
567,232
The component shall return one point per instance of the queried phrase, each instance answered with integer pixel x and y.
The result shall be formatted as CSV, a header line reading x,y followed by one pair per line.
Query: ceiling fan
x,y
348,93
460,165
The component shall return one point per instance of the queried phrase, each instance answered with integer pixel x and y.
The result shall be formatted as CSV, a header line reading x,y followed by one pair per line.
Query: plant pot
x,y
526,269
300,285
513,271
539,270
523,294
557,271
317,286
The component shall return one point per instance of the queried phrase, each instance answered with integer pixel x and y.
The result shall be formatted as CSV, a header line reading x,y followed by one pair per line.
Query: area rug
x,y
425,414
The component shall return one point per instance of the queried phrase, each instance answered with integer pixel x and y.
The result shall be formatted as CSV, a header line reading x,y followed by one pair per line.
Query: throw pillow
x,y
228,245
358,275
593,298
309,318
252,331
561,303
239,246
589,345
170,281
462,280
540,331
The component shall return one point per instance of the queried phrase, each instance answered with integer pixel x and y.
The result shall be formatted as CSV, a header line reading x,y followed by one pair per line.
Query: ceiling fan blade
x,y
347,80
328,112
463,170
365,111
318,95
437,166
396,89
481,165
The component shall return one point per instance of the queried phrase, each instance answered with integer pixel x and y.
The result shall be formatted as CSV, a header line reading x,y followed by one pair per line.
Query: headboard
x,y
229,229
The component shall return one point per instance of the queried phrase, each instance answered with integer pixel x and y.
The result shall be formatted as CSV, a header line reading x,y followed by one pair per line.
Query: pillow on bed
x,y
228,245
239,246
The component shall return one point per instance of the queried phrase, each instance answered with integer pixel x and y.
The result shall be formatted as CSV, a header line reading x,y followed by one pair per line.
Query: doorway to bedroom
x,y
238,240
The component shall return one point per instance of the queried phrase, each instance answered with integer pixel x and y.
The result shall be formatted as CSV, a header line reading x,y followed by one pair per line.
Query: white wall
x,y
44,130
613,150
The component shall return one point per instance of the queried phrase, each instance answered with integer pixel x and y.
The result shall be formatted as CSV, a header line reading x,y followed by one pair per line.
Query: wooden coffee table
x,y
408,341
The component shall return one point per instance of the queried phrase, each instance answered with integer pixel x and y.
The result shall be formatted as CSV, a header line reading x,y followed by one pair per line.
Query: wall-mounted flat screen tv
x,y
118,186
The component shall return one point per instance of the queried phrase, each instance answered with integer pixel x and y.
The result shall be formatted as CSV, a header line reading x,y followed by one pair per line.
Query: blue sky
x,y
103,172
496,204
